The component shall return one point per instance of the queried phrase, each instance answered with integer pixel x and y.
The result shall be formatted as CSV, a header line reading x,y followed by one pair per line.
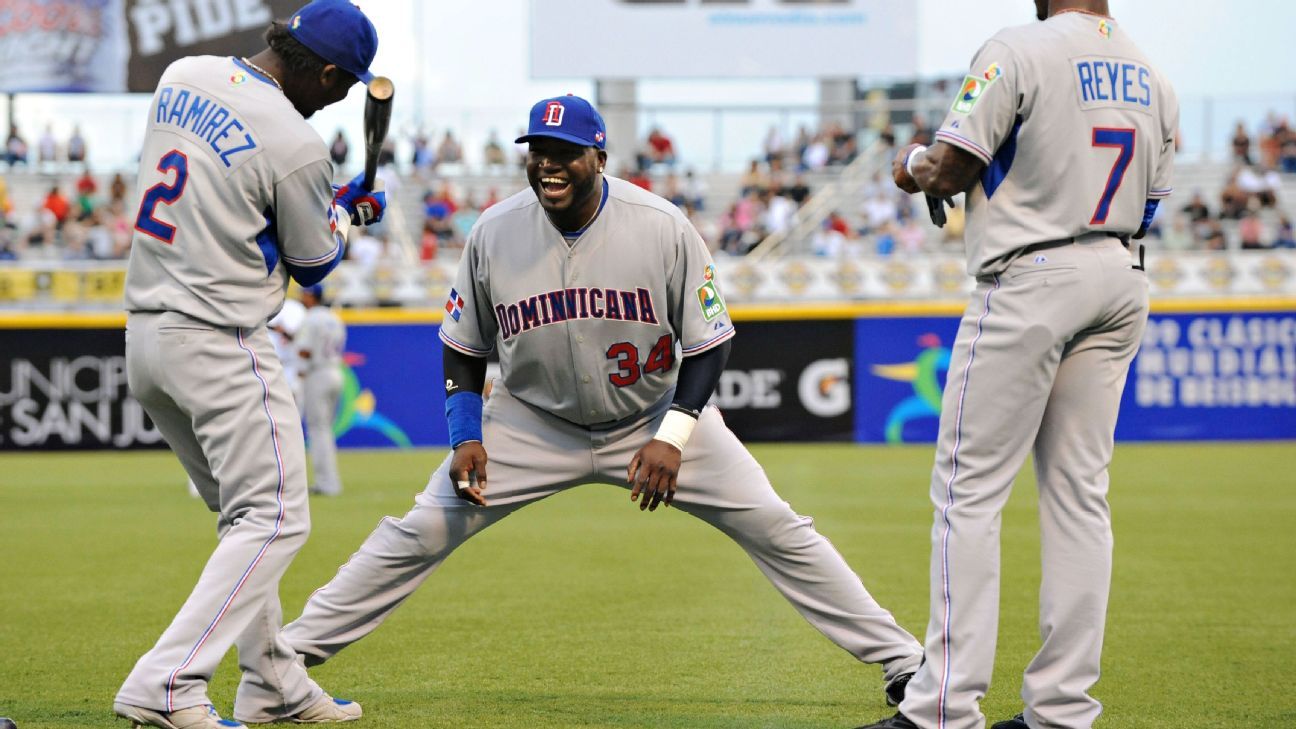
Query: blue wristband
x,y
464,416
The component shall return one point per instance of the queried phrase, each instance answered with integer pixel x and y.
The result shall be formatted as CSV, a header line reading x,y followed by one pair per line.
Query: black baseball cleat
x,y
895,688
899,721
1017,722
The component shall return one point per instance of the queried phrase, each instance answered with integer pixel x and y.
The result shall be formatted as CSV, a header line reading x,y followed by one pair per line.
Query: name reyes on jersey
x,y
1112,82
206,120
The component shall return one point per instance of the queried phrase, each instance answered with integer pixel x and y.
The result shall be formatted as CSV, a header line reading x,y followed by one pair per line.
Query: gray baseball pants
x,y
321,389
219,398
534,455
1039,364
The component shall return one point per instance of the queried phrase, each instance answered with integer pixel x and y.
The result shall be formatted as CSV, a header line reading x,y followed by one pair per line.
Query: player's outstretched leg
x,y
722,484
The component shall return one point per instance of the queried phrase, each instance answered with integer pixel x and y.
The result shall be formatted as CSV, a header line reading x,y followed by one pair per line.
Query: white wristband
x,y
909,159
676,428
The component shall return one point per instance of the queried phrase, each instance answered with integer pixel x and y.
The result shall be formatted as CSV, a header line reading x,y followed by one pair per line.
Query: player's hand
x,y
468,472
652,474
366,207
903,179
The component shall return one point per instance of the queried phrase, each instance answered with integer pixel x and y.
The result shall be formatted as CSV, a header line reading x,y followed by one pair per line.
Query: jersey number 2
x,y
661,358
1122,139
145,222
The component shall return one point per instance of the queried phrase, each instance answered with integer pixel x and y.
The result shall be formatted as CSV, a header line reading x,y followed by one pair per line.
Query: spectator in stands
x,y
75,244
1196,207
1287,149
339,150
778,213
86,187
120,227
803,140
1211,233
672,191
463,220
423,158
1178,235
639,176
449,151
1233,199
842,147
884,241
694,190
879,208
429,244
816,154
834,239
47,147
1241,144
6,205
1286,237
493,153
58,205
1259,185
76,146
15,147
799,191
117,189
1251,232
753,179
775,146
887,137
922,133
1270,144
520,149
910,236
660,149
7,252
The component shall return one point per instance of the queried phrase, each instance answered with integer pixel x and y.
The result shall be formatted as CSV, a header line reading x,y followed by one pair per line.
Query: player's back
x,y
323,333
1089,126
220,137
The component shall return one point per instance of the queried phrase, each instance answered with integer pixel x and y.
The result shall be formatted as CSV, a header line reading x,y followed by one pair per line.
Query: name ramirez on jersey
x,y
206,120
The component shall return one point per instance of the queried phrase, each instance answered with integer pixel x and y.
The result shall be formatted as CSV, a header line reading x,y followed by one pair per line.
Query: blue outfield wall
x,y
860,373
1198,376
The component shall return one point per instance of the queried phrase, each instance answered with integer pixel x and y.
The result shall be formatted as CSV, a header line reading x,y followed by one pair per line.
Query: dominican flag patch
x,y
454,305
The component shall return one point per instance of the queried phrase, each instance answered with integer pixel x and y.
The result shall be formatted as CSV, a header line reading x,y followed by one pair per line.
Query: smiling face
x,y
567,178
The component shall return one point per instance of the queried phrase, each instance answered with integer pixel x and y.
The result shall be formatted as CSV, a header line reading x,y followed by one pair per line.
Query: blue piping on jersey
x,y
253,72
573,235
267,241
997,171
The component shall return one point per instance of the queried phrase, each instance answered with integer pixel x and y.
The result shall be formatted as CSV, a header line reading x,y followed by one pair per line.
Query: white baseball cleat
x,y
193,717
328,710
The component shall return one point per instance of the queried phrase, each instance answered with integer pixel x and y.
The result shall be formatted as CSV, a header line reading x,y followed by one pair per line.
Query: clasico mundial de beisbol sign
x,y
112,46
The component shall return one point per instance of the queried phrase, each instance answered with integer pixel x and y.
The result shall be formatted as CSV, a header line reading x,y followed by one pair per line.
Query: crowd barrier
x,y
1209,369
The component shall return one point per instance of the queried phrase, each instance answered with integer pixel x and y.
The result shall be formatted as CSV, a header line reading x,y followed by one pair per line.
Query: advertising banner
x,y
66,389
789,381
111,46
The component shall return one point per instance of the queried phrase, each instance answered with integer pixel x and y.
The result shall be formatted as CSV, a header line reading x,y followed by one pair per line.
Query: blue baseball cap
x,y
316,290
338,32
569,118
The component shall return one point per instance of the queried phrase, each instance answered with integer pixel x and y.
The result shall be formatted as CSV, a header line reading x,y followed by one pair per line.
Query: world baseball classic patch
x,y
710,301
970,93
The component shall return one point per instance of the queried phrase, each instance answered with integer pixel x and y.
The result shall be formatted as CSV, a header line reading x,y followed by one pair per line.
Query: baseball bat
x,y
377,117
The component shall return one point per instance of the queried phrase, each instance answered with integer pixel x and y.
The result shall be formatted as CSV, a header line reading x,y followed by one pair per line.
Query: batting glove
x,y
366,207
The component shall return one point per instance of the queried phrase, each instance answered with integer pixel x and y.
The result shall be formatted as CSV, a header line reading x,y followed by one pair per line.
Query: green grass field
x,y
583,612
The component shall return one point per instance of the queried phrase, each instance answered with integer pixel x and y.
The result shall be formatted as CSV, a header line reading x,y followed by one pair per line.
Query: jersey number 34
x,y
626,355
163,193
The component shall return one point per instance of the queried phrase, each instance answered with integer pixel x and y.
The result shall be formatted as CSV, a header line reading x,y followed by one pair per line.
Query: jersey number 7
x,y
145,222
1122,139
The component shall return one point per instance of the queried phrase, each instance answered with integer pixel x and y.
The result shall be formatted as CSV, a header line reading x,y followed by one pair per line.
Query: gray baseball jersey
x,y
226,160
323,336
1077,98
1076,129
588,331
227,163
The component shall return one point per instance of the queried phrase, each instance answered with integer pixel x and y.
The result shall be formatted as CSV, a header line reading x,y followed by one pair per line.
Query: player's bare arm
x,y
465,378
941,170
654,470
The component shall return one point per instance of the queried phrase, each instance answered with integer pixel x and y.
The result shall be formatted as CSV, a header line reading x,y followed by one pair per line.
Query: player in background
x,y
1062,137
283,328
319,344
604,305
237,197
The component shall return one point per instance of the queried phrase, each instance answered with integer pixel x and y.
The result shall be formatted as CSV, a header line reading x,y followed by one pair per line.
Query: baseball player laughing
x,y
237,198
607,314
1062,136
